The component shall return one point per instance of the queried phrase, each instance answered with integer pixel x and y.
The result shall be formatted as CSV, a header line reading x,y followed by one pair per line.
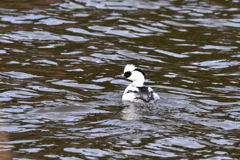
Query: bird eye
x,y
127,74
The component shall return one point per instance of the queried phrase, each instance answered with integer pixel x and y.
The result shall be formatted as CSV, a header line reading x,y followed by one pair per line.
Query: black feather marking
x,y
144,94
139,70
131,91
127,74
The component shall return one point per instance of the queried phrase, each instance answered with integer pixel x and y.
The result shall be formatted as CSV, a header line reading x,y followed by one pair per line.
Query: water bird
x,y
137,91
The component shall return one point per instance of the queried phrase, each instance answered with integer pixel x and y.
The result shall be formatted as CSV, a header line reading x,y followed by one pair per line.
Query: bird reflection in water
x,y
130,112
136,111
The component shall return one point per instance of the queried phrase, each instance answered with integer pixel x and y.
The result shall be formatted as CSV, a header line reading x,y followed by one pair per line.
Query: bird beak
x,y
120,76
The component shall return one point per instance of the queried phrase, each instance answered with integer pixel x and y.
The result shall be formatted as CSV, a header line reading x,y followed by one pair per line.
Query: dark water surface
x,y
61,97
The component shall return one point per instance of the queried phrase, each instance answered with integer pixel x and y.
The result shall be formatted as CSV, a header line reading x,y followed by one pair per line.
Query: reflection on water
x,y
4,146
61,96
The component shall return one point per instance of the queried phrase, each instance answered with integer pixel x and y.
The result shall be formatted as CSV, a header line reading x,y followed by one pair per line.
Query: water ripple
x,y
8,95
19,75
60,88
71,83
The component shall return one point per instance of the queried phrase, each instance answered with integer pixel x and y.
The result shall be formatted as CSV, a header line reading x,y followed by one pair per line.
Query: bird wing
x,y
144,94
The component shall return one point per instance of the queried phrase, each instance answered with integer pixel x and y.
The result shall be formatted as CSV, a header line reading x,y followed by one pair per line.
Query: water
x,y
60,91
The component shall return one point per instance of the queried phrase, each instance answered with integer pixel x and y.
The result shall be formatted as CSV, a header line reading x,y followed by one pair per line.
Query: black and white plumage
x,y
136,91
142,93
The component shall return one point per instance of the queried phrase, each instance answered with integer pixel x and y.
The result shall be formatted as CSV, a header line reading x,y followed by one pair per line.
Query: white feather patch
x,y
129,68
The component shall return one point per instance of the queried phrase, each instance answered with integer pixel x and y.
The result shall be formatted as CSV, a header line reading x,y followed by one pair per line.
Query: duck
x,y
137,91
